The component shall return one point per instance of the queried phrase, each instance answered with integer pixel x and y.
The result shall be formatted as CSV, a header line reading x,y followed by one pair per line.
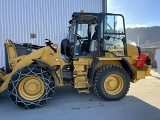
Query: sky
x,y
137,13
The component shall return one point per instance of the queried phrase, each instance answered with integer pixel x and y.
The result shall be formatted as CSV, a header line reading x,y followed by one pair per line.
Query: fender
x,y
47,67
127,67
92,69
96,61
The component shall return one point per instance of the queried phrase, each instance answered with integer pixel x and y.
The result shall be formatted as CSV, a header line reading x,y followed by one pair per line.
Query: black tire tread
x,y
31,70
96,78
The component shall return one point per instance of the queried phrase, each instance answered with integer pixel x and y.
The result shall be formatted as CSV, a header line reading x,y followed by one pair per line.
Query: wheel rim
x,y
31,88
113,84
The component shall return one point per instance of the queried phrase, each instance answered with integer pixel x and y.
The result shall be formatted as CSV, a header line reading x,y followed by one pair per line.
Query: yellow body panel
x,y
81,65
132,51
46,54
108,61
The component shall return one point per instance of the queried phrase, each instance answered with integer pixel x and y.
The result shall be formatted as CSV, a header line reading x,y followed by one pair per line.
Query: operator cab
x,y
94,34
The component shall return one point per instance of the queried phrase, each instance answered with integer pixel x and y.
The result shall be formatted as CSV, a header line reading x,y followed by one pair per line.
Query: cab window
x,y
113,34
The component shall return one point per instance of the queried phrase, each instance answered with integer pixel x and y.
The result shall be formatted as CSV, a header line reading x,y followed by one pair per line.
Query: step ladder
x,y
83,90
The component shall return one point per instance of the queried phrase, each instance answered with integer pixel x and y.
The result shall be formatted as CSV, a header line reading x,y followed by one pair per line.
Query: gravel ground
x,y
141,103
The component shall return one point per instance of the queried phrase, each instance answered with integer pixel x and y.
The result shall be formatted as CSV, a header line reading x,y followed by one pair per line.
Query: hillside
x,y
145,34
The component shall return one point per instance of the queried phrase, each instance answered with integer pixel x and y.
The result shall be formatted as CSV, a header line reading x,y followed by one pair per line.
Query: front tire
x,y
31,87
111,83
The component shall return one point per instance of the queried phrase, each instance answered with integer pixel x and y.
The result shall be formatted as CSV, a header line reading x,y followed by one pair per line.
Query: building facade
x,y
45,18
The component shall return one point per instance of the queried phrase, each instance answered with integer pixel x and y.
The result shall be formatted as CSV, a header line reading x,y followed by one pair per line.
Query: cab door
x,y
113,35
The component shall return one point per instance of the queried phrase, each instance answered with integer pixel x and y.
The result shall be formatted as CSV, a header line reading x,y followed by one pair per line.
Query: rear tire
x,y
31,87
111,83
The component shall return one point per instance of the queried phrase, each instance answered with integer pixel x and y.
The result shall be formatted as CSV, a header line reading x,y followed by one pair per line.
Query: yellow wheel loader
x,y
94,55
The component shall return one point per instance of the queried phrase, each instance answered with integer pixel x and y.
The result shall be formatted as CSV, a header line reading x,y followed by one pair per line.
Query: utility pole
x,y
137,40
104,6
